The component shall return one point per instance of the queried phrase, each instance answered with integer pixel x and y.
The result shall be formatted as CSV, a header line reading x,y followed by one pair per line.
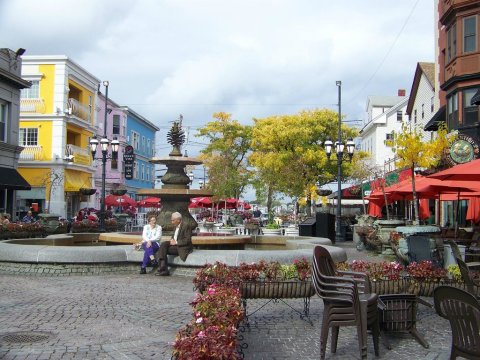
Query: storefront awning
x,y
437,119
476,98
75,180
10,179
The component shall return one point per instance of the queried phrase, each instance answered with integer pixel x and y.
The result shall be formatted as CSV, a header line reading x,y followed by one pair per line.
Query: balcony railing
x,y
32,106
78,155
79,110
31,153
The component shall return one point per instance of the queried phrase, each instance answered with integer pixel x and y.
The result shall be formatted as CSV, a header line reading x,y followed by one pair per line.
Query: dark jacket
x,y
184,241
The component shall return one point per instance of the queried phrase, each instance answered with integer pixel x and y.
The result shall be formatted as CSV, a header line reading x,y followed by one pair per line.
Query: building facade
x,y
385,115
141,135
459,64
57,121
10,85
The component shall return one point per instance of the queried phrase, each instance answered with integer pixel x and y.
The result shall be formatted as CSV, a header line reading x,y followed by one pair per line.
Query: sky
x,y
250,58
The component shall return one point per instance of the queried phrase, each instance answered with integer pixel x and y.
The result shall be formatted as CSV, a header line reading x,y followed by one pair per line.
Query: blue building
x,y
141,135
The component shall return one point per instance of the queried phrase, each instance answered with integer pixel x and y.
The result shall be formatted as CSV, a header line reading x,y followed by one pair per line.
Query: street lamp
x,y
190,176
104,144
340,151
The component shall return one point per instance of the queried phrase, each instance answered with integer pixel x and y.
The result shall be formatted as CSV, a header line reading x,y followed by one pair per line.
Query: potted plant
x,y
118,192
271,229
87,191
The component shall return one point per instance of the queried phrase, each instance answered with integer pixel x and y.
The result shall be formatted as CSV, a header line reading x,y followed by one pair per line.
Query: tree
x,y
361,171
413,152
225,156
287,150
51,180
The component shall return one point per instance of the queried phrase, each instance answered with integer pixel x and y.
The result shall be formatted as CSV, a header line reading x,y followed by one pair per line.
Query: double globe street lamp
x,y
104,144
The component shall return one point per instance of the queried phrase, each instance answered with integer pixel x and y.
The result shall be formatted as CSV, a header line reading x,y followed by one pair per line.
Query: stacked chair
x,y
347,302
462,310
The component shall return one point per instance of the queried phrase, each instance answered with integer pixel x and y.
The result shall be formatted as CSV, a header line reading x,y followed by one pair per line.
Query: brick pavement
x,y
128,316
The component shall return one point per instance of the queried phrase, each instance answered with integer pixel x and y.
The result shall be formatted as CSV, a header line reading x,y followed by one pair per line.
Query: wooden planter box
x,y
410,286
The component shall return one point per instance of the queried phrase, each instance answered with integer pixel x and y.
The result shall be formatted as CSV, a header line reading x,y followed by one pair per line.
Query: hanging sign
x,y
464,149
128,160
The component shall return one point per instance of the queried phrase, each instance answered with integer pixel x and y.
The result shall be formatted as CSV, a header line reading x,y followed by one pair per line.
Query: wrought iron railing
x,y
32,106
80,110
78,155
31,153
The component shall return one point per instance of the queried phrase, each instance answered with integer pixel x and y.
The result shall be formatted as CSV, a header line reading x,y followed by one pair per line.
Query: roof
x,y
383,100
428,69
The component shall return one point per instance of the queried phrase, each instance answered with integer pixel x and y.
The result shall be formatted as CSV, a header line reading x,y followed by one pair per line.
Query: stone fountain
x,y
175,192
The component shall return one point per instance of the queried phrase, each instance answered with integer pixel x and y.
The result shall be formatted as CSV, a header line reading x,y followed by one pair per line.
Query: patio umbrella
x,y
149,202
374,209
473,210
200,202
463,172
123,200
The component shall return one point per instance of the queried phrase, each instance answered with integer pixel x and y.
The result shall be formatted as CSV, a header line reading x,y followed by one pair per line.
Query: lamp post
x,y
340,151
191,177
104,143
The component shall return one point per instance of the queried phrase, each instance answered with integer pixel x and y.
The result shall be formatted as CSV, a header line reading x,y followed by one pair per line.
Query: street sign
x,y
128,171
128,155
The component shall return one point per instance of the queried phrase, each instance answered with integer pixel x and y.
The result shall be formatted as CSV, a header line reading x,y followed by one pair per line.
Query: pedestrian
x,y
29,217
151,235
180,244
4,219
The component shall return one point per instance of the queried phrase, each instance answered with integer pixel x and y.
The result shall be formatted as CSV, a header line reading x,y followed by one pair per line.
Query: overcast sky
x,y
251,58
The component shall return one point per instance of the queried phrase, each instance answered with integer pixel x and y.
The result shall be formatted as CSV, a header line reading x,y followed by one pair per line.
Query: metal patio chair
x,y
344,305
462,310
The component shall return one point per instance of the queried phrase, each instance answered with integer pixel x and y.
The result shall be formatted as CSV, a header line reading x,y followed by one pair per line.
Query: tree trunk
x,y
308,205
385,197
269,202
363,199
415,201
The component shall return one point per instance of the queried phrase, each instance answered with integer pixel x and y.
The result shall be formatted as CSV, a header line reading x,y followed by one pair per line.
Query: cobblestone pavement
x,y
129,316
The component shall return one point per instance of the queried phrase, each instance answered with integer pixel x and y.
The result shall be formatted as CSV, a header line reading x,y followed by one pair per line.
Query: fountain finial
x,y
176,137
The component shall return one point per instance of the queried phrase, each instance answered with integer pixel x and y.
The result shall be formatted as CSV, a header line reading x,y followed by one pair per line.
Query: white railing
x,y
32,106
32,153
79,110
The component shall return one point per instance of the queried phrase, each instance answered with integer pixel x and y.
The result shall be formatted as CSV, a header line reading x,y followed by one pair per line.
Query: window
x,y
470,34
33,92
452,111
452,43
148,147
114,164
415,116
470,112
142,175
28,137
135,140
116,125
124,130
399,115
423,111
143,143
137,170
432,104
147,173
3,120
389,136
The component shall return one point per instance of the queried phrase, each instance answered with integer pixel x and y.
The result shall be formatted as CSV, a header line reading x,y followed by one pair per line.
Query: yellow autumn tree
x,y
288,150
413,152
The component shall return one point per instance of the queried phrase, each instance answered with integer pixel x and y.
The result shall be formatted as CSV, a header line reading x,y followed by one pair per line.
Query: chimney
x,y
401,92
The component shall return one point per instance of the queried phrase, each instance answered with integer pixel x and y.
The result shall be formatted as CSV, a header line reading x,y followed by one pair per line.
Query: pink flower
x,y
201,334
199,320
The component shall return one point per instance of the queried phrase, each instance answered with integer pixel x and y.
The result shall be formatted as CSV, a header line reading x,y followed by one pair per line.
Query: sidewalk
x,y
136,317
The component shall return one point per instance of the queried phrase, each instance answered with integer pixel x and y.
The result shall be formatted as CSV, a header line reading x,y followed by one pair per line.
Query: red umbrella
x,y
149,202
200,202
473,211
123,200
243,204
463,172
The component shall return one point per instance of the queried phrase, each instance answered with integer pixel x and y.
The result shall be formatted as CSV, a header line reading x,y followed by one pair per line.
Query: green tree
x,y
287,150
413,152
225,156
361,171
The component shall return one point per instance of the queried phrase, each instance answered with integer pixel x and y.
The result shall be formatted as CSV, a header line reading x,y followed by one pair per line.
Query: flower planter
x,y
118,192
277,289
87,192
271,232
410,286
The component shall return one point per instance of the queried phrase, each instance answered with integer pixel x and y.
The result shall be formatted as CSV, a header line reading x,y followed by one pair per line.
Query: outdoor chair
x,y
420,248
472,285
462,310
457,254
345,304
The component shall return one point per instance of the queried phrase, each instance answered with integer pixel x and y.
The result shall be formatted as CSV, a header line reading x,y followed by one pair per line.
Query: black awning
x,y
12,180
437,119
476,98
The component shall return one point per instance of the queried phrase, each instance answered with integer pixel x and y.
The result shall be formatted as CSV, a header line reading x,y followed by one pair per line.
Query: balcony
x,y
32,153
78,155
462,65
79,110
35,106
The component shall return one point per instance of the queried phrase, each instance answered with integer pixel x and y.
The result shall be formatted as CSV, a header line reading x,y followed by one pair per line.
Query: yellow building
x,y
57,120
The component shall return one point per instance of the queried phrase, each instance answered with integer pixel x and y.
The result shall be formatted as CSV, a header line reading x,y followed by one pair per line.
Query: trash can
x,y
307,227
325,226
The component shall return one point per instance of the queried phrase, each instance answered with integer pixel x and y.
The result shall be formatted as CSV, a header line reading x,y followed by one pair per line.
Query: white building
x,y
421,103
385,115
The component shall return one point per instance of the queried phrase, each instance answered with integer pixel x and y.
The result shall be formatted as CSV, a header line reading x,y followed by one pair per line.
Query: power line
x,y
387,53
